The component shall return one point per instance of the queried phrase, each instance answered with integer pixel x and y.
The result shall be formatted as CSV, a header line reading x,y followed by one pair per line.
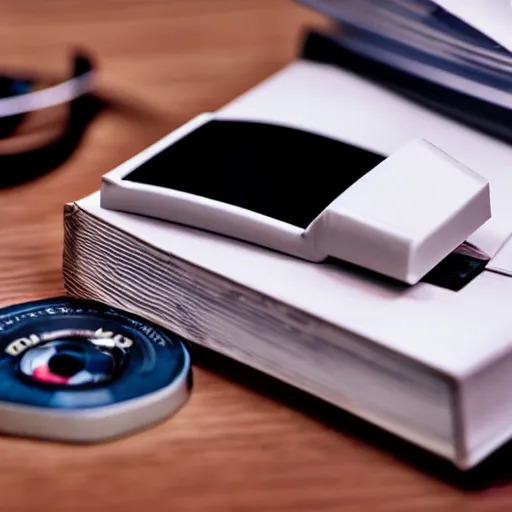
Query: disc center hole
x,y
65,365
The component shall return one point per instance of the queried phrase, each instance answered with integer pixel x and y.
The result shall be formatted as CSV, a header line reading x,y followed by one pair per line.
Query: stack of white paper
x,y
459,48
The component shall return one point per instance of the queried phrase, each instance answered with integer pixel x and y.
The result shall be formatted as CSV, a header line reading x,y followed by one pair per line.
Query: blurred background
x,y
159,62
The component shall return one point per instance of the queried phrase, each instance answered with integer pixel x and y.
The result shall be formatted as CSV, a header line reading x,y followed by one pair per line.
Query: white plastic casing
x,y
400,219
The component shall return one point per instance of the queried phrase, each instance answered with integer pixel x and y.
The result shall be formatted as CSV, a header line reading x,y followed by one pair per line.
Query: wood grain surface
x,y
243,442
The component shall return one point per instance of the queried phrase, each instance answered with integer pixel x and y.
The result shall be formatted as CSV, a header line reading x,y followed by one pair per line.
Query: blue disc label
x,y
68,353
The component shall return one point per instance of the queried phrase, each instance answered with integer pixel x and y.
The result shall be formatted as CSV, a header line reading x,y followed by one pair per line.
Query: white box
x,y
400,218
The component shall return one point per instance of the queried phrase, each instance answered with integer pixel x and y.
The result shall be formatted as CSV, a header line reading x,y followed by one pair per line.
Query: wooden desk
x,y
232,448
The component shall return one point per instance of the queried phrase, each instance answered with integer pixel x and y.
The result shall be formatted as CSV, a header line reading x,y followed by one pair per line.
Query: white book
x,y
428,363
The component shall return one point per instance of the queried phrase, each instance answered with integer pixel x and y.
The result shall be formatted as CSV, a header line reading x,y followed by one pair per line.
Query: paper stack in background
x,y
451,55
428,363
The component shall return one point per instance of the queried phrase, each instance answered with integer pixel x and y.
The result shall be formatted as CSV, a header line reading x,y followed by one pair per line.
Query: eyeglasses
x,y
17,100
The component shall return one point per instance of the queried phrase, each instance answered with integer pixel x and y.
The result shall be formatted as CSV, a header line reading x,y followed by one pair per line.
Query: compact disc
x,y
82,371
